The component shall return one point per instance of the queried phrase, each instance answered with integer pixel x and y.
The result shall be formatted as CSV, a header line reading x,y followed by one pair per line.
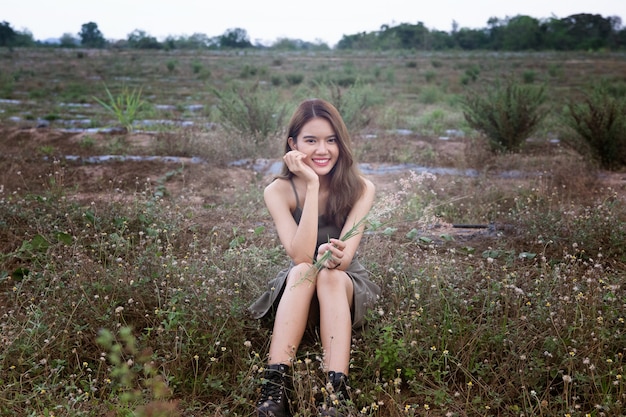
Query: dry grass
x,y
523,318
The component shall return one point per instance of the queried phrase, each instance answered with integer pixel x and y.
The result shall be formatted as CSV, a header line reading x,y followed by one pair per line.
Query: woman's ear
x,y
292,143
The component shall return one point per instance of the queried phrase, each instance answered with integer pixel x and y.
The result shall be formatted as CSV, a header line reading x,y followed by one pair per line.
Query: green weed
x,y
125,107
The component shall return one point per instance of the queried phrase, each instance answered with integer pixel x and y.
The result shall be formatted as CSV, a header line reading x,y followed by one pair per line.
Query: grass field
x,y
123,284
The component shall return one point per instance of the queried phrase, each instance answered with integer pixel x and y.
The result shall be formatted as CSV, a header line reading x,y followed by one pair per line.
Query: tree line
x,y
582,31
519,33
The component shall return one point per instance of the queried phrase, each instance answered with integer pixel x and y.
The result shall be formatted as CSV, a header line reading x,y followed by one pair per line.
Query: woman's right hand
x,y
296,164
336,248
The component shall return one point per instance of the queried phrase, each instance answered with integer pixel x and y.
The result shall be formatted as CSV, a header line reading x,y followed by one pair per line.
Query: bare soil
x,y
30,157
33,160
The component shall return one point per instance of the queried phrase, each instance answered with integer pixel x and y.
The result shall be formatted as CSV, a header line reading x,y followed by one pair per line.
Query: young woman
x,y
319,196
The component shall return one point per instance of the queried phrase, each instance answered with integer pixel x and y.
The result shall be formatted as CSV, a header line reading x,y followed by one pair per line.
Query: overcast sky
x,y
268,20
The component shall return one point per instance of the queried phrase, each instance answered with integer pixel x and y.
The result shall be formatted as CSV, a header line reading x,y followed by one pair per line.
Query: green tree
x,y
235,38
521,33
139,39
24,39
590,31
7,34
90,36
471,39
195,41
440,40
581,32
360,40
68,41
404,36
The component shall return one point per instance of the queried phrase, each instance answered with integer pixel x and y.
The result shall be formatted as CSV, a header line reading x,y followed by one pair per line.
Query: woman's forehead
x,y
317,127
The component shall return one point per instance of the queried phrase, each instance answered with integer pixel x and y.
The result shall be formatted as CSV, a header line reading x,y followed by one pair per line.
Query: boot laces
x,y
272,389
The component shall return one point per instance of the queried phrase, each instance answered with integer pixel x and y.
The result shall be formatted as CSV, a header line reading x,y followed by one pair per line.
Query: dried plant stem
x,y
318,265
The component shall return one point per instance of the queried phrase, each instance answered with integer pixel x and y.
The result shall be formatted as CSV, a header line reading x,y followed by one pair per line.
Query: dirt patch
x,y
35,160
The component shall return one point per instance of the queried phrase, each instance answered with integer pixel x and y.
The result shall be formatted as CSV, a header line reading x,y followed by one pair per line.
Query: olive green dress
x,y
366,292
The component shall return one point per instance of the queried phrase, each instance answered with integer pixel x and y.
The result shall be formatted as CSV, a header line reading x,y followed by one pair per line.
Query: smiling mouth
x,y
323,161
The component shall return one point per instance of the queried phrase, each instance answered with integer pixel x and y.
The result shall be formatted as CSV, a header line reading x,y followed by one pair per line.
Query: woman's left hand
x,y
336,247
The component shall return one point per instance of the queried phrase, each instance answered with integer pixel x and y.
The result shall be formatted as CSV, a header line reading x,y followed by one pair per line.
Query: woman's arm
x,y
299,240
343,251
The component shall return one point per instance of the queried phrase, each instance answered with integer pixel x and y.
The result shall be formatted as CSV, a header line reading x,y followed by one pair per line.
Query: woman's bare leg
x,y
292,314
334,292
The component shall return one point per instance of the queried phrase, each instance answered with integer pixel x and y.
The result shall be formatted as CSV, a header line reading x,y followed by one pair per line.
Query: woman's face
x,y
318,141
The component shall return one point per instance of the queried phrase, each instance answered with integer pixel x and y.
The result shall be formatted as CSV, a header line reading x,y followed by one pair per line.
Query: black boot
x,y
274,401
337,399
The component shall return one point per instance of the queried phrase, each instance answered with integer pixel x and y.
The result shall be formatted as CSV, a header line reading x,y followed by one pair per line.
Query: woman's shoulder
x,y
369,185
280,189
278,185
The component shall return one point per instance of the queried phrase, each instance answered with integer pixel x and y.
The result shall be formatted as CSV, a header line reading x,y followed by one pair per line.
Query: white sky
x,y
268,20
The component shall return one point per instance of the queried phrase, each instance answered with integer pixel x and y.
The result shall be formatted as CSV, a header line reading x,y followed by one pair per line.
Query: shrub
x,y
251,111
294,78
507,114
250,71
599,119
430,76
354,103
470,75
196,67
529,76
276,80
171,65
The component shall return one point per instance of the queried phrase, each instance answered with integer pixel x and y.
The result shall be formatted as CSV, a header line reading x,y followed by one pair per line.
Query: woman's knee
x,y
301,274
329,280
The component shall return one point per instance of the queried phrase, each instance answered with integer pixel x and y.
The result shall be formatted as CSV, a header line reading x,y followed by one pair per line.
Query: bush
x,y
294,78
251,111
507,114
355,103
599,119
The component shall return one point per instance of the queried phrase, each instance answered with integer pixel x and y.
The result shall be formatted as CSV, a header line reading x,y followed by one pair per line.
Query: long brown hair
x,y
346,183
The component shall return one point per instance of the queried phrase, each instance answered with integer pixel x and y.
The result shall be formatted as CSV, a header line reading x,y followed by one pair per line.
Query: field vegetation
x,y
124,280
